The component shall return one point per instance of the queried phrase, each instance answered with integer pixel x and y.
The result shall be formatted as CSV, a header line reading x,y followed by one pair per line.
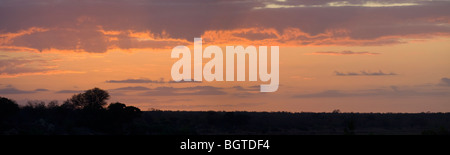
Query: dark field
x,y
76,122
284,123
88,113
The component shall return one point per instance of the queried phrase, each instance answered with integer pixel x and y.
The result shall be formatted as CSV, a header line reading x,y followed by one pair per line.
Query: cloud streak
x,y
22,66
343,53
184,91
146,80
139,80
392,92
66,91
9,89
131,88
12,90
364,73
445,82
328,4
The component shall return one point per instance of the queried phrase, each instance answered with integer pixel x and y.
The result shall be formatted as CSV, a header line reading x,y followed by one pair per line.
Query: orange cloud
x,y
97,40
163,25
297,37
24,66
7,37
50,72
17,49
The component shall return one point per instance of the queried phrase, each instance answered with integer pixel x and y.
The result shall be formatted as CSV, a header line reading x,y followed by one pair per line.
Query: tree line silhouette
x,y
83,113
88,113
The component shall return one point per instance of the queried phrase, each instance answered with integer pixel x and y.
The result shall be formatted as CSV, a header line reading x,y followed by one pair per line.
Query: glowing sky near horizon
x,y
355,55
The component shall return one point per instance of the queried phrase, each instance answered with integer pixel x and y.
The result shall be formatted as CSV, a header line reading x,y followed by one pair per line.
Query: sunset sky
x,y
354,55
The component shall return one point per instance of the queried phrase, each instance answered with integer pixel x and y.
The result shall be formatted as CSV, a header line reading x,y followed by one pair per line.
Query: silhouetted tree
x,y
91,99
125,112
336,111
116,107
35,104
133,111
121,118
53,104
96,98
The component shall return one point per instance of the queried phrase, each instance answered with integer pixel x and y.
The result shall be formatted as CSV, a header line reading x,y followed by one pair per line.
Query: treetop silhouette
x,y
91,99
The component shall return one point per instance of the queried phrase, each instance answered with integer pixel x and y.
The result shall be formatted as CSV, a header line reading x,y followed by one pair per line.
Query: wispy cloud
x,y
392,91
364,73
445,82
182,81
12,90
133,88
371,4
9,89
146,80
342,53
173,91
41,90
250,88
22,66
69,91
190,106
139,80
